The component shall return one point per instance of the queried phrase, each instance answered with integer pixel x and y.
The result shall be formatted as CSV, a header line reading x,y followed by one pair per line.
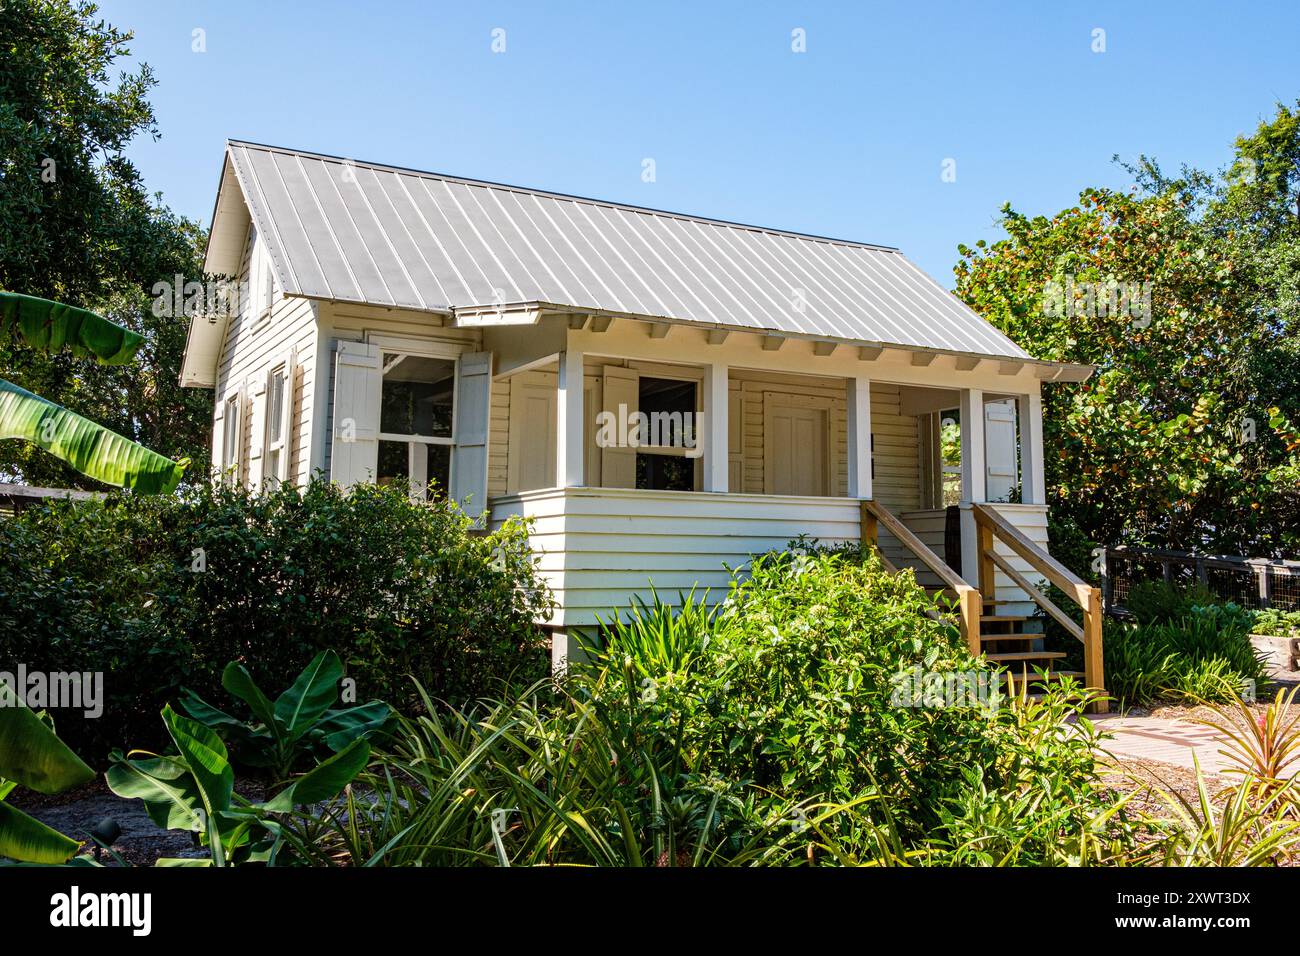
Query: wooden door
x,y
795,446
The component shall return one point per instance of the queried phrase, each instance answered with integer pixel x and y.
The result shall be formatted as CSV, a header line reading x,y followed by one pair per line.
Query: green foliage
x,y
767,732
1203,655
1183,437
194,789
1272,622
77,225
302,719
156,592
32,755
1157,602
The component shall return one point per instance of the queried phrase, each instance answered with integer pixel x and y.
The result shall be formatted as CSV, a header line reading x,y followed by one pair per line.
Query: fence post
x,y
1265,579
1107,581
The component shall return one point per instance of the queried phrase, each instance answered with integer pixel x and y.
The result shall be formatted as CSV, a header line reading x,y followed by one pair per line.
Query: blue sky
x,y
846,139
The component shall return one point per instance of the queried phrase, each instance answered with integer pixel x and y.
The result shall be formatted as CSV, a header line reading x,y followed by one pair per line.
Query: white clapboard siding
x,y
597,548
253,345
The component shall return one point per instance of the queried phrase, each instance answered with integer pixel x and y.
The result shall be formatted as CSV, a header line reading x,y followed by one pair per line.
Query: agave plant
x,y
90,448
33,756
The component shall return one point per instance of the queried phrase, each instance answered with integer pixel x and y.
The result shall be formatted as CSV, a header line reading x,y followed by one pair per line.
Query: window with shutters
x,y
416,422
276,396
664,461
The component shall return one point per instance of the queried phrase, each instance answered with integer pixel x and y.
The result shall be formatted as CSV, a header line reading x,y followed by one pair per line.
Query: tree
x,y
77,226
1182,293
91,449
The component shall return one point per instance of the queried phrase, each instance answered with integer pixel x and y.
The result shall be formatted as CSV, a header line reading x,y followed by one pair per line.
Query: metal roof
x,y
350,231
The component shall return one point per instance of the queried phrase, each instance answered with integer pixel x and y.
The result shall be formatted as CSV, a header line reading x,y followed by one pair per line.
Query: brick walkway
x,y
1164,740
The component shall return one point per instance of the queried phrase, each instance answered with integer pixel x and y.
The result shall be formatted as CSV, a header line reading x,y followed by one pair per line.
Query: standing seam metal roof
x,y
359,232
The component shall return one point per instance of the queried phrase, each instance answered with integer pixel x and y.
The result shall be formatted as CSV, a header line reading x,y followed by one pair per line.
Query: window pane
x,y
439,470
417,396
669,407
431,480
275,405
394,462
665,473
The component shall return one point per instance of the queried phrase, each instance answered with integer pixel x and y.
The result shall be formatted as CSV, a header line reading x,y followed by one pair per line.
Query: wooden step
x,y
1027,656
1036,678
1017,636
1009,618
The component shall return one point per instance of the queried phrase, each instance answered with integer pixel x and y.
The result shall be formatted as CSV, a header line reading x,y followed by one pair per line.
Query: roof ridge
x,y
649,210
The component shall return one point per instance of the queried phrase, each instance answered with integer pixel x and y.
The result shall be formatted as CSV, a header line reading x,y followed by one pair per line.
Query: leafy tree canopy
x,y
77,226
1185,293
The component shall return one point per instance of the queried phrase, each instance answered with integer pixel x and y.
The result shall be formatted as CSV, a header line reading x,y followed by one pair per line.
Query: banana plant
x,y
194,789
301,719
33,756
90,448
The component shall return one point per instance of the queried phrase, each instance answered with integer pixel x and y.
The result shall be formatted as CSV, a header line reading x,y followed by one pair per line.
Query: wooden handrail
x,y
1038,597
970,604
990,525
1036,557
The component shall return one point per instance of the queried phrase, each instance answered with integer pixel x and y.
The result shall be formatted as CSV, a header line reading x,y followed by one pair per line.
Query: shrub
x,y
768,731
159,592
1274,623
1156,602
1206,655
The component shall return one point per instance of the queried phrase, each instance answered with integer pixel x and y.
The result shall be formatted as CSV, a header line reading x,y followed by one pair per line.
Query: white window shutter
x,y
354,452
286,414
218,438
256,432
469,458
622,387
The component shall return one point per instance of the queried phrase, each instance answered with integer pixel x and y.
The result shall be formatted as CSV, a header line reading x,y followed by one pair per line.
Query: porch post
x,y
715,429
569,438
973,470
973,474
1033,484
859,429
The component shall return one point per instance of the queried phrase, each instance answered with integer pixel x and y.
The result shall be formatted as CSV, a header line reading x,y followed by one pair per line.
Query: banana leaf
x,y
30,752
23,838
53,326
90,448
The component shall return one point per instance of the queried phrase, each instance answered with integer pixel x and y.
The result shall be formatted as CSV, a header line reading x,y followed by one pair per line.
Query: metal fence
x,y
1250,582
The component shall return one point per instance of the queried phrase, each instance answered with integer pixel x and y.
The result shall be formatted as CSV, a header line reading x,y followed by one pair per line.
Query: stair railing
x,y
990,527
969,603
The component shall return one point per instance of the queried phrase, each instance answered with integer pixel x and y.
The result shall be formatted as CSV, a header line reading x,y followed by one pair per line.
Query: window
x,y
230,439
669,449
276,452
263,284
416,417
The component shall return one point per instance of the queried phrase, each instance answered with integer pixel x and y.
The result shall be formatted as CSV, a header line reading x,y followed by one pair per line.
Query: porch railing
x,y
970,604
992,527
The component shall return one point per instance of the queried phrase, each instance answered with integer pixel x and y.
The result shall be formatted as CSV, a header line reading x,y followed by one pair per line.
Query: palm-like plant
x,y
90,448
31,755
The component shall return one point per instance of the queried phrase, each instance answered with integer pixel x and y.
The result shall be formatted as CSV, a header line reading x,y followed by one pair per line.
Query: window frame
x,y
282,371
675,451
390,348
232,420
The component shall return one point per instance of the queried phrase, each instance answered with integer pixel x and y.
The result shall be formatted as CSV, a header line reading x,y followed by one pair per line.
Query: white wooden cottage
x,y
498,343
